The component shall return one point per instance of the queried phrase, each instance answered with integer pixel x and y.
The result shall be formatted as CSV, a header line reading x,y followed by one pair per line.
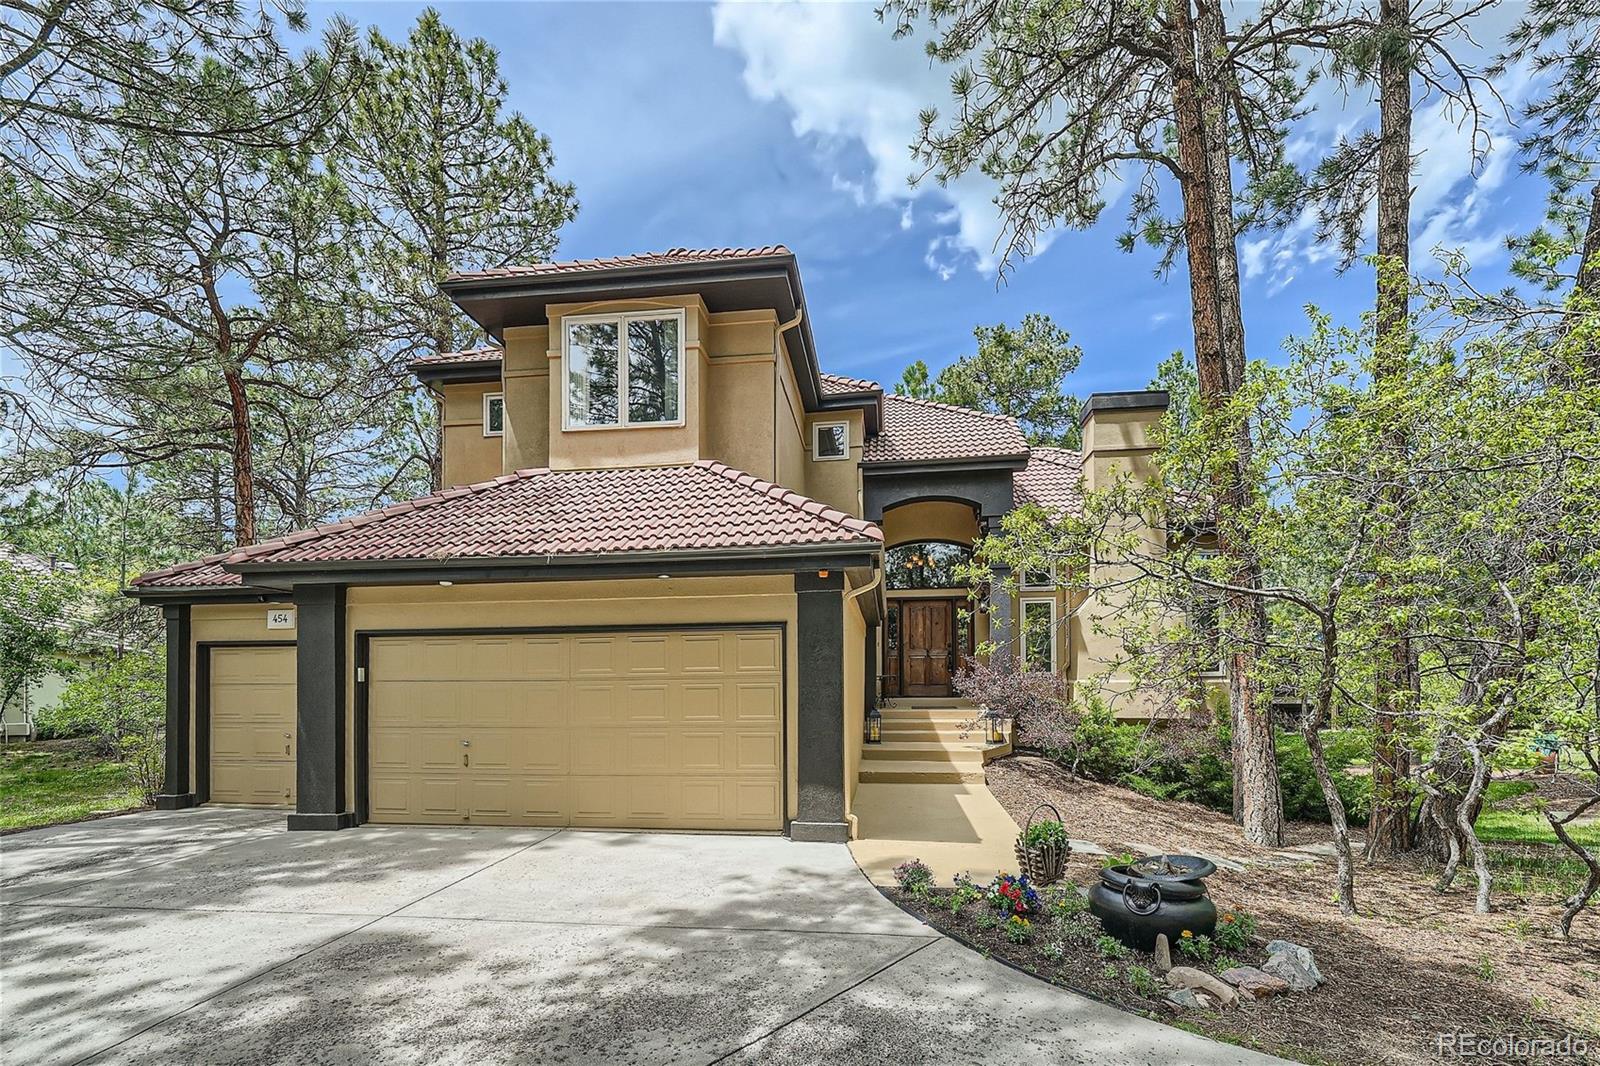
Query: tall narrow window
x,y
494,414
624,370
1039,635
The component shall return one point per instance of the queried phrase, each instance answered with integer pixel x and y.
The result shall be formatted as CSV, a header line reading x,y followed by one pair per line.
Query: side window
x,y
1039,635
830,440
494,414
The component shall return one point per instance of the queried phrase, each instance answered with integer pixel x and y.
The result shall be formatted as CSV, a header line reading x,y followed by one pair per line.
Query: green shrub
x,y
1198,948
1111,947
1040,834
913,876
1302,796
1235,930
964,893
121,704
1143,981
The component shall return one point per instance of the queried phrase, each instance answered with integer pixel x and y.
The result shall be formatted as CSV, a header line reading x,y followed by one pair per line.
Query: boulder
x,y
1188,999
1293,963
1257,984
1163,954
1200,981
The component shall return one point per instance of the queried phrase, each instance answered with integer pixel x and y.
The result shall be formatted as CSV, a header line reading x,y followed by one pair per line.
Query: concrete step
x,y
930,731
955,703
926,714
896,771
959,753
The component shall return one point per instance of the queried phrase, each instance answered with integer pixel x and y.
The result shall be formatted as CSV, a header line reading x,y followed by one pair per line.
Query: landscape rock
x,y
1293,963
1200,981
1257,984
1188,999
1163,954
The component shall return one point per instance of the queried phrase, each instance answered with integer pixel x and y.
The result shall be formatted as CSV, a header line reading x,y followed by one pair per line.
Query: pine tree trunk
x,y
1389,828
1589,262
1200,99
244,481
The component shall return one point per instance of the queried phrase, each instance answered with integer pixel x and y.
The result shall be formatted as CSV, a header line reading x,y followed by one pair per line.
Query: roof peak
x,y
941,405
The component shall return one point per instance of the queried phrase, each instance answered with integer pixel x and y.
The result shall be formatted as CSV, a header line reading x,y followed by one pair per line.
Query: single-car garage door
x,y
252,706
637,729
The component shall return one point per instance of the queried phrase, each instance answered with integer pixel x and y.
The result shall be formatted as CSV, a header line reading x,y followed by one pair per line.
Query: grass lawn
x,y
1524,855
52,781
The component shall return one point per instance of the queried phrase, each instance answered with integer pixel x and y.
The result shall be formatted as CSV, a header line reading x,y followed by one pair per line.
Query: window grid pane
x,y
652,370
592,373
497,414
1038,635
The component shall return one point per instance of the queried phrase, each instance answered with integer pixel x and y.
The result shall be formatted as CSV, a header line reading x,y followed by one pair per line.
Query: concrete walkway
x,y
954,828
213,936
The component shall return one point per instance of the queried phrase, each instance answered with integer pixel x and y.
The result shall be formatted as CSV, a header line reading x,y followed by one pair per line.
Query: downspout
x,y
783,327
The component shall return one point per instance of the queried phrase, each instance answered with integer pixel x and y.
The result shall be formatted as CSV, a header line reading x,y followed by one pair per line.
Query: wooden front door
x,y
926,635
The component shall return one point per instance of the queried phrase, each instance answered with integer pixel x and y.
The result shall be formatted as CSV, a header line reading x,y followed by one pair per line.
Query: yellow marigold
x,y
1227,917
1186,932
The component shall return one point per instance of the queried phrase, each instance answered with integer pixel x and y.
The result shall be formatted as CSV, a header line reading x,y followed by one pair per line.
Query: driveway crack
x,y
824,1001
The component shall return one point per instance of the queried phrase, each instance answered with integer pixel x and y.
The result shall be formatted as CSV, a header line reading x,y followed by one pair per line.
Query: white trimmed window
x,y
1039,634
494,414
830,440
1040,580
623,370
1205,617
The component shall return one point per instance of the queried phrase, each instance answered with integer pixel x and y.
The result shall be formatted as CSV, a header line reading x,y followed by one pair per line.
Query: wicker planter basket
x,y
1044,863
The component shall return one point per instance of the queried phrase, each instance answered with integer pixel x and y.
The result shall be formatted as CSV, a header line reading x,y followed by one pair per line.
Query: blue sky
x,y
749,124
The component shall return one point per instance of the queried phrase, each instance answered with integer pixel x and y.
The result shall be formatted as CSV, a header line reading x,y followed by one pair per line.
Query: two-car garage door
x,y
634,729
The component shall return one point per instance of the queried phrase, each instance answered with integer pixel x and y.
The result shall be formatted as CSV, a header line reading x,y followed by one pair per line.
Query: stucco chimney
x,y
1117,433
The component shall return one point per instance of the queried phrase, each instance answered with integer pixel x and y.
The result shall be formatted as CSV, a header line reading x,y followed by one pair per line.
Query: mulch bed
x,y
1415,964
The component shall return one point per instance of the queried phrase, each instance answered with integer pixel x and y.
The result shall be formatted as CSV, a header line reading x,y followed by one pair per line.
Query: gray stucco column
x,y
1002,630
820,643
176,790
320,710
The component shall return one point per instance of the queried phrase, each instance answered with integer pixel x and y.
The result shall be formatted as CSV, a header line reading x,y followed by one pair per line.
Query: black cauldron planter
x,y
1137,901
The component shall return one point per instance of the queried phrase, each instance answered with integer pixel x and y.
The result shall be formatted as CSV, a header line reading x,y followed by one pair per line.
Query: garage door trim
x,y
202,707
363,638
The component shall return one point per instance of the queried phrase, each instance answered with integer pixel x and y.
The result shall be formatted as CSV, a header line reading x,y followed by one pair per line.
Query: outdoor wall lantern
x,y
874,726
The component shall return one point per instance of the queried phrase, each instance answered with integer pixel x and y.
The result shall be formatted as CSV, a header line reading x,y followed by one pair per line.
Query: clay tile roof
x,y
705,506
487,353
926,431
670,257
196,574
1052,479
839,385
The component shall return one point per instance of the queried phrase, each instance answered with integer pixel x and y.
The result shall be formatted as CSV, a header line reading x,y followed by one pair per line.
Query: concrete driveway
x,y
214,936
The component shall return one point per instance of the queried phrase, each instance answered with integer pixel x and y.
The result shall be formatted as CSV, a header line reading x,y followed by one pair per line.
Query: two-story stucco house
x,y
676,564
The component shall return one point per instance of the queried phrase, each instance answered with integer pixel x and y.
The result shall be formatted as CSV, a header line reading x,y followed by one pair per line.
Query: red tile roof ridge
x,y
941,405
483,353
666,258
1051,453
802,503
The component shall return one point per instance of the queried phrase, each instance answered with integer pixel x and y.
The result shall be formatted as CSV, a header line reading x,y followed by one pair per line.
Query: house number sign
x,y
280,618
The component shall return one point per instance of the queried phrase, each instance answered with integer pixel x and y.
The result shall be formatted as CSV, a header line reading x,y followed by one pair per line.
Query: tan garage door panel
x,y
252,725
634,729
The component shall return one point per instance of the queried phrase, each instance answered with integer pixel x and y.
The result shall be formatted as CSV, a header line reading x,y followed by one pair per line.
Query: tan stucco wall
x,y
741,348
562,604
789,425
469,456
1116,442
930,520
836,482
526,373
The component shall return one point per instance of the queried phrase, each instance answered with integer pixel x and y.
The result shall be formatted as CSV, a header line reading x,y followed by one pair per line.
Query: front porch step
x,y
924,715
931,731
958,752
896,771
952,703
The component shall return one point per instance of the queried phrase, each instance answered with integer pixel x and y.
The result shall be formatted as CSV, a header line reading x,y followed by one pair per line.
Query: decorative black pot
x,y
1137,901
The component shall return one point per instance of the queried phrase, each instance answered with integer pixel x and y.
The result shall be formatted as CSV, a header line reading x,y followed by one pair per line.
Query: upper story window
x,y
1039,580
624,370
830,440
494,414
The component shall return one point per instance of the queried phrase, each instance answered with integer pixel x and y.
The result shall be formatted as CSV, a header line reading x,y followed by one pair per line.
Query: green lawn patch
x,y
49,782
1524,854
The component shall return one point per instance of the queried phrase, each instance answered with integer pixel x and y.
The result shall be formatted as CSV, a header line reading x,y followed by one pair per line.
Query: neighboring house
x,y
676,565
19,716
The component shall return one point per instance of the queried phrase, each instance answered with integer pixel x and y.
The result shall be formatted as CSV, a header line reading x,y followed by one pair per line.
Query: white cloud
x,y
846,81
